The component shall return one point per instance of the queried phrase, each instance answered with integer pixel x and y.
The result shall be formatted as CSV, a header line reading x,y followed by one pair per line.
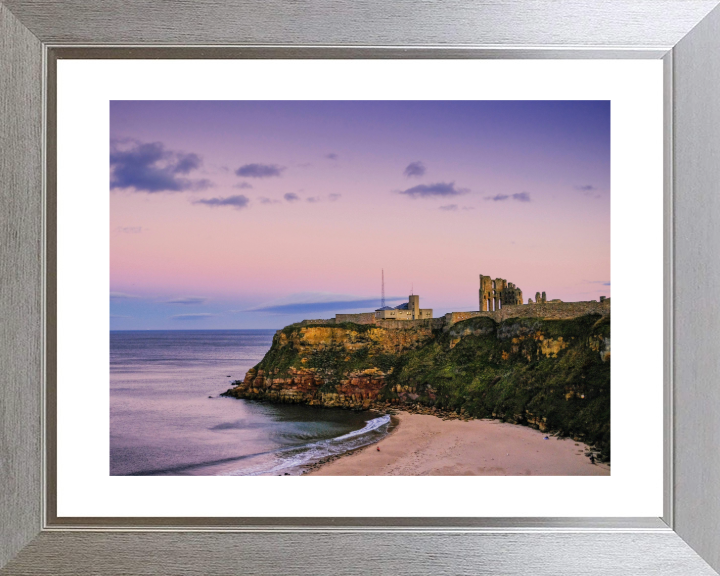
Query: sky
x,y
257,214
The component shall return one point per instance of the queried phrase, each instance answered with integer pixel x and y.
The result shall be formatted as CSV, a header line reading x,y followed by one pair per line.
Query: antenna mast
x,y
382,301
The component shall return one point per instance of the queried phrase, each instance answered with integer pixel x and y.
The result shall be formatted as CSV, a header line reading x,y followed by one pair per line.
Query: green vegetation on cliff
x,y
550,374
553,374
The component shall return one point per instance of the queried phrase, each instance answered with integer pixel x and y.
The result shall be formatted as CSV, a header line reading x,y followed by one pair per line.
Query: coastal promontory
x,y
548,370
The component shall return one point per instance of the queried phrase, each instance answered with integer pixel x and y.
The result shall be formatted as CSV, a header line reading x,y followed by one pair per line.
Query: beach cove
x,y
426,445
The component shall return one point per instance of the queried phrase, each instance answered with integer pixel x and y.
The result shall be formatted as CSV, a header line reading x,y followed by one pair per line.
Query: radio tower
x,y
382,301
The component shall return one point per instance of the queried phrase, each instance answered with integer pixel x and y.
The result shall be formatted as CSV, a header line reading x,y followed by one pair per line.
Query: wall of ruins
x,y
497,293
362,318
369,318
434,323
548,311
551,311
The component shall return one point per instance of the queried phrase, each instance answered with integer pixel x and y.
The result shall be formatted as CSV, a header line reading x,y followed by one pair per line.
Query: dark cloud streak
x,y
320,306
440,189
122,296
260,170
192,316
519,197
238,202
187,300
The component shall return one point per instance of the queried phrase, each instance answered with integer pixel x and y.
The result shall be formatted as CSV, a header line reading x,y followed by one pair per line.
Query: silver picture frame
x,y
685,34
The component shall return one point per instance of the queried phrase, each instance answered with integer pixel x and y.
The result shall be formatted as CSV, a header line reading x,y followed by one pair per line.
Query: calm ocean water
x,y
166,415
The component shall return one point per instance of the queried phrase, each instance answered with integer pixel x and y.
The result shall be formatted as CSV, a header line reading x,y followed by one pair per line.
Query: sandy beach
x,y
424,445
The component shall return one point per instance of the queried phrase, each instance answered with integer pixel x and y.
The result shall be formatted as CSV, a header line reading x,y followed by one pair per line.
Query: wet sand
x,y
424,445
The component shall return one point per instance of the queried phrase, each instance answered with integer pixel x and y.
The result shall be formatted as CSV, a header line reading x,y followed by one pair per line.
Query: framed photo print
x,y
274,290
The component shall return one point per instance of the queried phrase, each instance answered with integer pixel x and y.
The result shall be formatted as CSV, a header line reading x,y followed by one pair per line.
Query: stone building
x,y
410,310
542,299
494,294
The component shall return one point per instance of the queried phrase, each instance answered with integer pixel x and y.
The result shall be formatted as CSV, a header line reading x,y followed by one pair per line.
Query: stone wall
x,y
454,317
362,318
317,321
433,323
369,318
554,310
548,311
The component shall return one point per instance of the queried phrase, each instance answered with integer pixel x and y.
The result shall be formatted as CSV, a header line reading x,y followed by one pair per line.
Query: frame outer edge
x,y
20,295
371,22
399,554
696,110
20,284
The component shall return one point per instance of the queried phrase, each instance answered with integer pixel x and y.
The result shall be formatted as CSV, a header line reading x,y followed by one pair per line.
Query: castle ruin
x,y
499,300
494,294
539,298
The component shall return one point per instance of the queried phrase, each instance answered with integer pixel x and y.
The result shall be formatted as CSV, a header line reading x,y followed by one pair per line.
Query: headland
x,y
545,365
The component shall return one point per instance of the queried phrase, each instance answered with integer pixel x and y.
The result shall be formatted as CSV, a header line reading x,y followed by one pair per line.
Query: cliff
x,y
552,374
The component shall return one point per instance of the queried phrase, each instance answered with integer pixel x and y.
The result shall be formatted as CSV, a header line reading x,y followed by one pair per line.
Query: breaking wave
x,y
293,460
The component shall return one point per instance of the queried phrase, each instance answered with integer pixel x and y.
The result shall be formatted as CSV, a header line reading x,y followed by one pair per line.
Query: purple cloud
x,y
191,316
519,196
414,169
259,170
187,300
432,190
238,202
151,168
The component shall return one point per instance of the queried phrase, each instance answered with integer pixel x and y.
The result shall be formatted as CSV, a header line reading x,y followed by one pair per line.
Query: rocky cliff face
x,y
343,366
549,374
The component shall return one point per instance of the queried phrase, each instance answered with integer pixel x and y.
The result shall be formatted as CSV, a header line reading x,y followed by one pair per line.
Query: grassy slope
x,y
490,370
571,393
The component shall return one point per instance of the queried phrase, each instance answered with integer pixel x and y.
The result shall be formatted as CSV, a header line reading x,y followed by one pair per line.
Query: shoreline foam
x,y
425,445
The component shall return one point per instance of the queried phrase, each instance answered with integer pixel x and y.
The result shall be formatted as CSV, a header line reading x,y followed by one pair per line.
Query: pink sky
x,y
517,190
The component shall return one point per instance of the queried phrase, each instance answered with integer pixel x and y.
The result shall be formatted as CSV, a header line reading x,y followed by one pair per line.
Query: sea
x,y
167,416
